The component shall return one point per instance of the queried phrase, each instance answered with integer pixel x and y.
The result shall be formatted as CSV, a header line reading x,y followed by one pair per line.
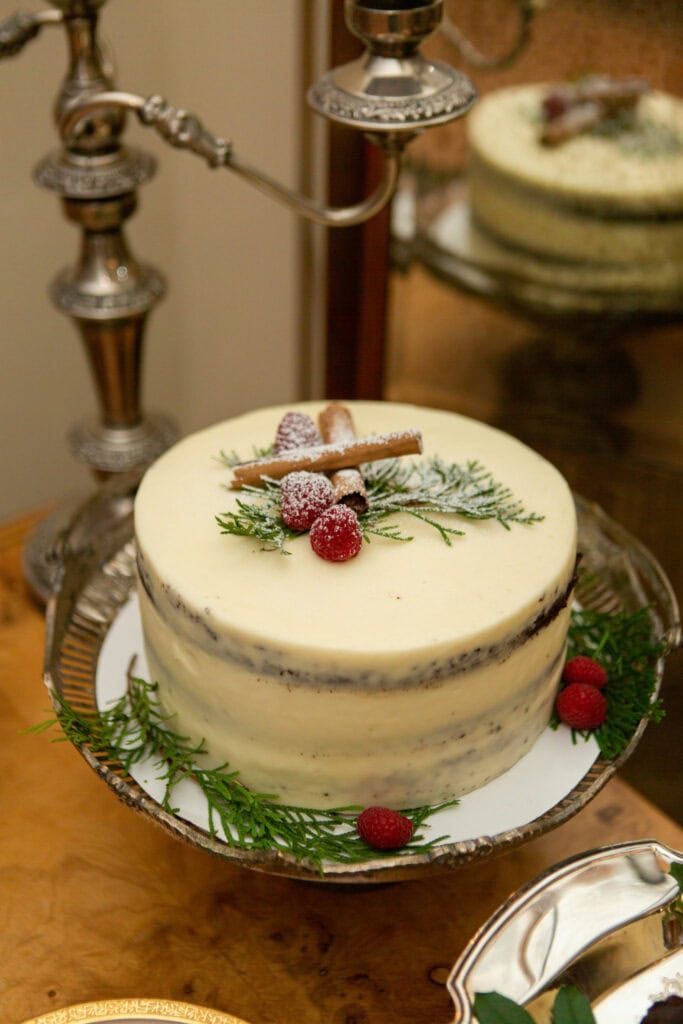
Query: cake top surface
x,y
393,597
638,168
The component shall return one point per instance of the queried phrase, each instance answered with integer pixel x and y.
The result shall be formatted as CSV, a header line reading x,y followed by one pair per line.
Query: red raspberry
x,y
583,669
304,496
581,706
295,430
556,103
335,535
384,829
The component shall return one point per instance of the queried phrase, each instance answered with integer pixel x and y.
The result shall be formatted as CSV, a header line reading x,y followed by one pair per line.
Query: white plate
x,y
540,780
629,1002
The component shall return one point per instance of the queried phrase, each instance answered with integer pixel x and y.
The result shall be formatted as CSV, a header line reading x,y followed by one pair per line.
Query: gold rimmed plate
x,y
135,1011
93,631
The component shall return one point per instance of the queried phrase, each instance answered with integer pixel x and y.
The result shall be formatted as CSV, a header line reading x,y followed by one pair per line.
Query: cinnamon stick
x,y
612,93
336,425
572,122
572,109
321,458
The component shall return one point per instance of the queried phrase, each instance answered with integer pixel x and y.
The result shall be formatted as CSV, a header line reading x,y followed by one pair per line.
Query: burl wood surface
x,y
96,902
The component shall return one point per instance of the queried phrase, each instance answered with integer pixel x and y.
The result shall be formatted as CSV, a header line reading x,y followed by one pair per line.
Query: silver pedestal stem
x,y
107,292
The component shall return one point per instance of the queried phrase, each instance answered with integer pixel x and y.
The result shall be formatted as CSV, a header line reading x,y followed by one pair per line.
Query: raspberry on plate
x,y
335,535
304,496
295,430
581,706
582,669
384,829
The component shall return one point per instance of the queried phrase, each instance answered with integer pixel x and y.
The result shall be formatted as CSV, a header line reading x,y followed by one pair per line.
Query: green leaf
x,y
572,1007
492,1008
676,870
626,646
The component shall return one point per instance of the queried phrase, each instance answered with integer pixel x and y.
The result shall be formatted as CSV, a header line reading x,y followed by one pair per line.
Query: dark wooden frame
x,y
358,257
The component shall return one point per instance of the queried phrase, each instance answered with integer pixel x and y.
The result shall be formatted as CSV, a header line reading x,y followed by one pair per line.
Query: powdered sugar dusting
x,y
304,496
329,456
295,430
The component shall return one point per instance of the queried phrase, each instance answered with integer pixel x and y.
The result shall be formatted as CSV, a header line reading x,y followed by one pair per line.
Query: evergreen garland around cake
x,y
614,654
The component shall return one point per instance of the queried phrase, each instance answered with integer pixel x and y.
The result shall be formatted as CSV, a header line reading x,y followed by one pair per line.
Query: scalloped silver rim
x,y
520,900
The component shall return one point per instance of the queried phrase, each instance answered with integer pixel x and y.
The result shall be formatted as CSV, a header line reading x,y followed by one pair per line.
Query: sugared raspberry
x,y
335,535
295,430
304,496
556,103
581,706
384,829
583,669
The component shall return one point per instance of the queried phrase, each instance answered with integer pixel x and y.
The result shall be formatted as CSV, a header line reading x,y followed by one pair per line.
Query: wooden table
x,y
98,903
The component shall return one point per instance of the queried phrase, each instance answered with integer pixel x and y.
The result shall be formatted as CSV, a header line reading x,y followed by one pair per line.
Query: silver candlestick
x,y
391,93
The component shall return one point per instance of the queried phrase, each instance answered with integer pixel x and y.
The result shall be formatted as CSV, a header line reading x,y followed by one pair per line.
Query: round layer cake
x,y
611,196
413,673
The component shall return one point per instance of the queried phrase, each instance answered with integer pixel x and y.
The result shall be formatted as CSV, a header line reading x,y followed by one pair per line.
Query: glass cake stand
x,y
93,631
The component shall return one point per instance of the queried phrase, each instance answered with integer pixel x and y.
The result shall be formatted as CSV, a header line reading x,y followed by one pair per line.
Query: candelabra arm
x,y
20,28
484,62
328,216
185,131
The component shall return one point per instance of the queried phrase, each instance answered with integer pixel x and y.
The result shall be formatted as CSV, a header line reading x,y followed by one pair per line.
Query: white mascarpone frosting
x,y
606,199
411,673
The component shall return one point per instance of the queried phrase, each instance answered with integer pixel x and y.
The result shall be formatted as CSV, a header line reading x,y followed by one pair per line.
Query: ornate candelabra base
x,y
391,93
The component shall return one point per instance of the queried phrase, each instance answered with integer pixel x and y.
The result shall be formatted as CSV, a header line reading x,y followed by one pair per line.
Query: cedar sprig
x,y
232,459
259,517
420,489
135,728
626,647
423,489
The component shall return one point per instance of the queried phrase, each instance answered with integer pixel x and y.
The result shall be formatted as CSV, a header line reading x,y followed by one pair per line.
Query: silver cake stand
x,y
452,245
581,314
97,577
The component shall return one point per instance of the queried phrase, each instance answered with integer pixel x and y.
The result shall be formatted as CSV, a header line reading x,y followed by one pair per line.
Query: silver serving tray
x,y
97,575
604,920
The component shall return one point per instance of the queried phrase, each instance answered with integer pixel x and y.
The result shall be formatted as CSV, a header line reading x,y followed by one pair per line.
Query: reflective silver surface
x,y
19,29
525,10
392,88
597,919
106,292
453,247
391,93
97,573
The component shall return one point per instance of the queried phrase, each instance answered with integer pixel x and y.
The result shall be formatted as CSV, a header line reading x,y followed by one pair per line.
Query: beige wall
x,y
227,336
